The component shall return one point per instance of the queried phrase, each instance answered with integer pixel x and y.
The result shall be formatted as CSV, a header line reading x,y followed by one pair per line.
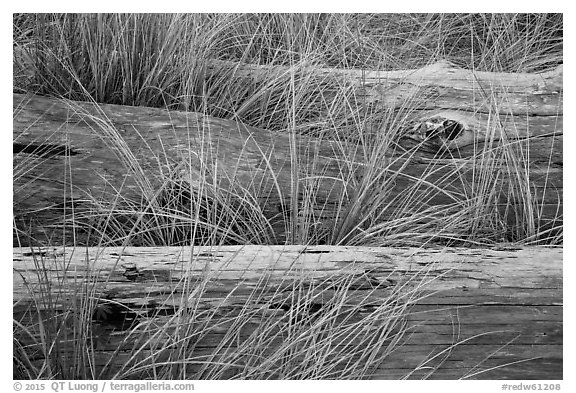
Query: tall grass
x,y
162,60
488,42
272,328
167,60
189,62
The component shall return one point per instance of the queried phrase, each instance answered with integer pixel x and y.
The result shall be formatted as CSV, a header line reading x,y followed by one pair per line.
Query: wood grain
x,y
68,154
486,313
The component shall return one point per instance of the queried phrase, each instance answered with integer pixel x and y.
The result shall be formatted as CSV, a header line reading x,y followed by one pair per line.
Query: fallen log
x,y
68,154
438,86
444,313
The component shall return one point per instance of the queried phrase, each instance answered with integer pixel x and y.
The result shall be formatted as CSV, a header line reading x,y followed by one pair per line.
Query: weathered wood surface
x,y
68,153
440,85
469,313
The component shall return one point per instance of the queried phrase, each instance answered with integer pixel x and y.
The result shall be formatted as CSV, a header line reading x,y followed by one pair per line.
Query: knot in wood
x,y
131,271
445,130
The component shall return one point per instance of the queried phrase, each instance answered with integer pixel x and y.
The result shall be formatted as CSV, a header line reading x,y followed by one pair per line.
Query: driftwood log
x,y
68,153
441,86
469,313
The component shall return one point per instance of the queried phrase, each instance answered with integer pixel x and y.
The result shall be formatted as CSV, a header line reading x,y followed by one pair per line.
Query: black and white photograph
x,y
287,196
